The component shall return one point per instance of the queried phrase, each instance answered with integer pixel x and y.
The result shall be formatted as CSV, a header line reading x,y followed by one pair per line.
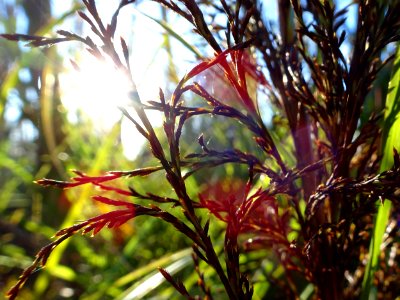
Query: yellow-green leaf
x,y
391,134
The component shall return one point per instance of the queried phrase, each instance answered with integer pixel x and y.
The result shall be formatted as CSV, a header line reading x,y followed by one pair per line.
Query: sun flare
x,y
97,89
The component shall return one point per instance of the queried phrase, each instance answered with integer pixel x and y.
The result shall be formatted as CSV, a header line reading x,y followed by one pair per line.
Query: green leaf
x,y
173,263
177,36
391,133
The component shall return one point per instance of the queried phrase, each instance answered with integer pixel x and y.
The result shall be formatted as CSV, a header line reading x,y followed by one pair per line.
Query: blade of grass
x,y
151,282
391,133
174,34
115,288
172,73
161,262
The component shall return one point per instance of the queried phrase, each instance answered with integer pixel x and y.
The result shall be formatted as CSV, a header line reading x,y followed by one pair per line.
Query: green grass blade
x,y
391,134
173,263
174,34
152,266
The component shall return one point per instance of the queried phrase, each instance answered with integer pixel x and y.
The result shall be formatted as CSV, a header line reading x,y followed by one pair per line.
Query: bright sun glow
x,y
97,90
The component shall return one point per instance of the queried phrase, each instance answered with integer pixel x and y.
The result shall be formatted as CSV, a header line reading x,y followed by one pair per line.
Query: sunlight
x,y
96,90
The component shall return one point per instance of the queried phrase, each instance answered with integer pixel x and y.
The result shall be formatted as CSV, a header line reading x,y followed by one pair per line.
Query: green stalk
x,y
391,133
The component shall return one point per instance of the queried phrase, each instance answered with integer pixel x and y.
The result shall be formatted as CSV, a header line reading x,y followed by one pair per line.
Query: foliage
x,y
295,217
